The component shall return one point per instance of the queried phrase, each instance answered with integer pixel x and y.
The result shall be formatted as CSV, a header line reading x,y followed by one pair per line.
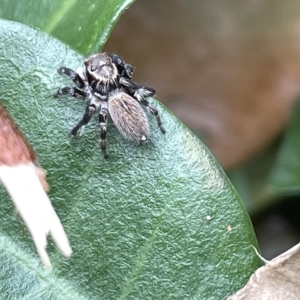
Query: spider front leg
x,y
72,91
75,77
89,111
124,68
140,93
102,122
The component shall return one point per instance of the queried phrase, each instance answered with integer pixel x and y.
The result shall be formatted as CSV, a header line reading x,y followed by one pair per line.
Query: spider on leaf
x,y
107,84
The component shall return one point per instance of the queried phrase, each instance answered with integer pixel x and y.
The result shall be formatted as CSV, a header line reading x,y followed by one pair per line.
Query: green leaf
x,y
251,181
285,175
158,221
84,25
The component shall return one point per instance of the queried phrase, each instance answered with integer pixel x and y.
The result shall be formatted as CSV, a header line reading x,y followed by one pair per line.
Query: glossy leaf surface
x,y
84,25
158,221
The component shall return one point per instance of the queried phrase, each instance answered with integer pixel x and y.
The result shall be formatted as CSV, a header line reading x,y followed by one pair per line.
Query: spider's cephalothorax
x,y
107,84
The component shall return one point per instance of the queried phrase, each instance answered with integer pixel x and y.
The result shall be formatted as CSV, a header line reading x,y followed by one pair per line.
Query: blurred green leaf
x,y
251,181
84,25
285,174
158,221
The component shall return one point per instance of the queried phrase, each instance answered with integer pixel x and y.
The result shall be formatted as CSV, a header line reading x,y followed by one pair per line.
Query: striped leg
x,y
102,122
90,109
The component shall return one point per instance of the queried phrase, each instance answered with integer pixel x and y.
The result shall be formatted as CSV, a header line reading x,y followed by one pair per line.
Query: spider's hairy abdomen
x,y
128,116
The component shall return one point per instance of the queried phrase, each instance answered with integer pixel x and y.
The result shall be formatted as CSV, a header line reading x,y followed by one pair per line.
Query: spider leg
x,y
102,122
140,93
72,91
124,68
79,82
154,112
89,111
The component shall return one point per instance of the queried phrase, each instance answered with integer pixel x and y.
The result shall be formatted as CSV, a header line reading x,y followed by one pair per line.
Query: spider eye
x,y
92,68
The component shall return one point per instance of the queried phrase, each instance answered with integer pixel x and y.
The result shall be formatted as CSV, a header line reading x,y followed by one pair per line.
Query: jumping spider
x,y
108,86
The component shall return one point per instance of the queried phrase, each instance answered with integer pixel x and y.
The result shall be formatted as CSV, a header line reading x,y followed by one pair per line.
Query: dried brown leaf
x,y
278,279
